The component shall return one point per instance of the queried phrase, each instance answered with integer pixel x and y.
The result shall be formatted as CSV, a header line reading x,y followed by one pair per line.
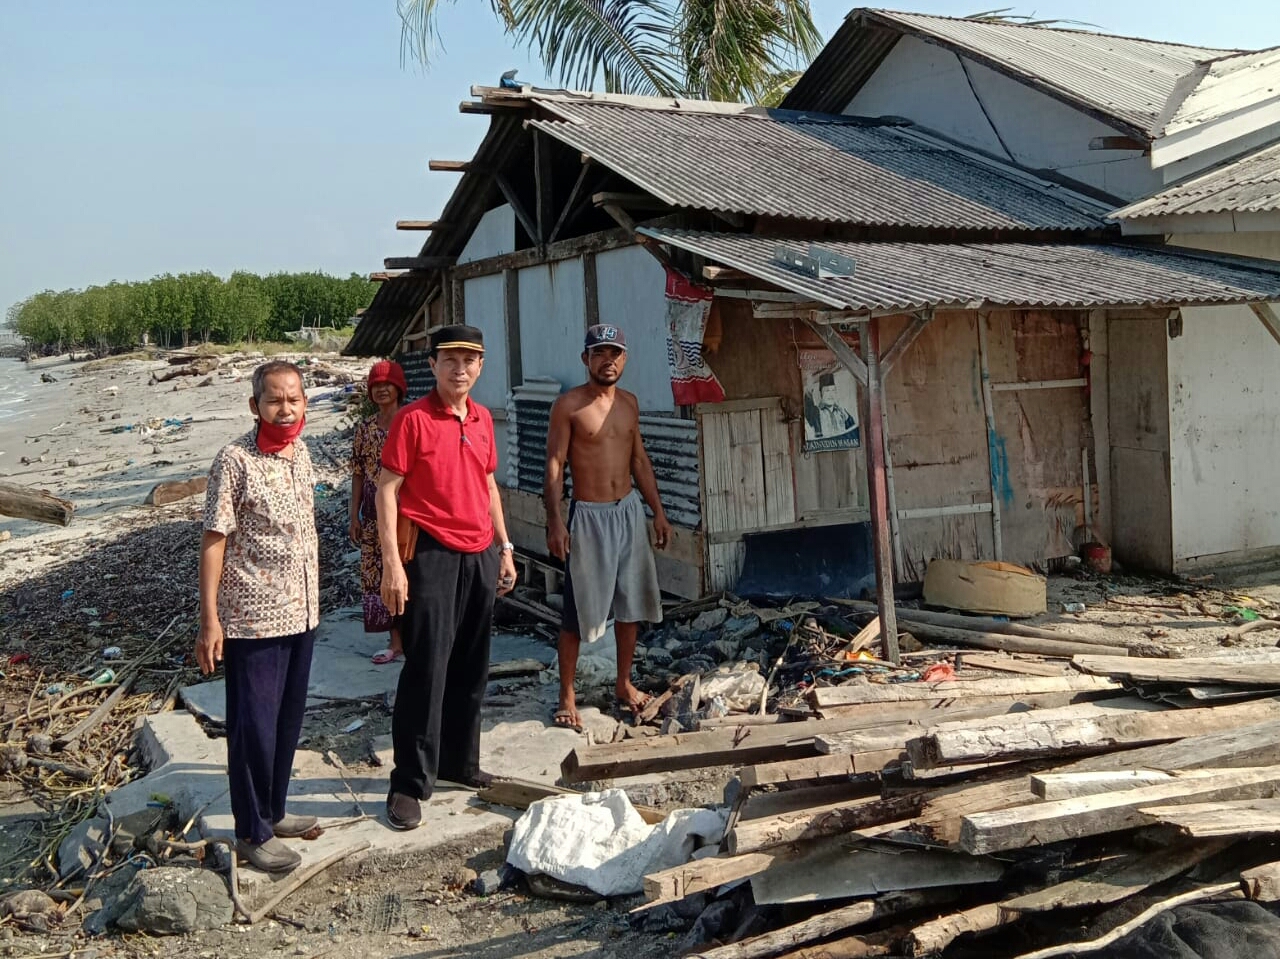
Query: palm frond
x,y
732,49
419,30
624,43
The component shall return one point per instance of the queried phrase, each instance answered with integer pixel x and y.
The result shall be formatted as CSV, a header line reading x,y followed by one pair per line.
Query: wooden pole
x,y
25,503
993,464
877,489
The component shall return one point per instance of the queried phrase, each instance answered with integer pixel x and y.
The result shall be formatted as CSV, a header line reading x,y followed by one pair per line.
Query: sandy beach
x,y
102,434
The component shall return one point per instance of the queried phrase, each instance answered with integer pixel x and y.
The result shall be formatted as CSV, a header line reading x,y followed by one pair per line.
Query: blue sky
x,y
140,137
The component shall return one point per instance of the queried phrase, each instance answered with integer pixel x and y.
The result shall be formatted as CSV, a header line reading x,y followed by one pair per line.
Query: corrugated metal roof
x,y
1124,79
1250,184
384,322
1225,86
819,168
910,276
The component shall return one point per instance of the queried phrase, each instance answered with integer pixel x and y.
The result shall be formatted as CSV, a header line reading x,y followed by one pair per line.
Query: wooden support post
x,y
1267,314
903,343
877,489
843,352
459,299
590,289
544,187
571,203
988,408
509,194
446,299
511,318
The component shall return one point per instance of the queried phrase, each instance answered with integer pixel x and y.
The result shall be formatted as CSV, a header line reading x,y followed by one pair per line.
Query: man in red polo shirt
x,y
437,472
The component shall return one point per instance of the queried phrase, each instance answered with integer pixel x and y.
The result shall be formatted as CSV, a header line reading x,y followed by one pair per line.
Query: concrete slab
x,y
189,767
341,668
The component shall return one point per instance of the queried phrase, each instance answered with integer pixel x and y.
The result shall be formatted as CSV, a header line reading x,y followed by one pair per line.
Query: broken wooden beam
x,y
1084,727
1228,818
1116,880
517,793
1198,671
853,694
418,262
22,502
1048,822
516,667
1262,883
1010,644
717,747
931,938
703,874
1252,745
828,924
981,624
833,820
418,224
448,166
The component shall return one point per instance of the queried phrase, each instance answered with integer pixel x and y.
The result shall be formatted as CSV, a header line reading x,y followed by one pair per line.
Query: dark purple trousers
x,y
435,726
266,697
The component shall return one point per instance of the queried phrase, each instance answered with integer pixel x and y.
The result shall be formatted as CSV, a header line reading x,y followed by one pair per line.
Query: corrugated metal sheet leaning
x,y
821,168
1250,184
1126,79
672,444
910,276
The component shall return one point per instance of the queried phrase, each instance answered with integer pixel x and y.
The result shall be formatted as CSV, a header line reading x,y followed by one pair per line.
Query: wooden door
x,y
748,480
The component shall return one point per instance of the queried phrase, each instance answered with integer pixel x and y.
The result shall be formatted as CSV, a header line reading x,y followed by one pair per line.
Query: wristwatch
x,y
508,546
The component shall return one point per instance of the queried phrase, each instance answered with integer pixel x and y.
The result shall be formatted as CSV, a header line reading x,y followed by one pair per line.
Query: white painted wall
x,y
552,321
1266,245
632,296
1225,451
494,235
483,300
927,84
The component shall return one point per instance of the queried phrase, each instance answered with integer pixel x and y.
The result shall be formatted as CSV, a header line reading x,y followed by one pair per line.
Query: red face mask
x,y
273,438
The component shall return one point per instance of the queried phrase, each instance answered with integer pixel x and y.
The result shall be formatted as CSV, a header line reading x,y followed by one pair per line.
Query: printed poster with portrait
x,y
830,403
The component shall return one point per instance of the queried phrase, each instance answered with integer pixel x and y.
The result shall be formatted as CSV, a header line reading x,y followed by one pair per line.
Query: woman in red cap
x,y
387,389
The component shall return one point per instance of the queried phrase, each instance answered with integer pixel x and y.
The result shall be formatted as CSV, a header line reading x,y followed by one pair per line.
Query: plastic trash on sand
x,y
598,840
738,686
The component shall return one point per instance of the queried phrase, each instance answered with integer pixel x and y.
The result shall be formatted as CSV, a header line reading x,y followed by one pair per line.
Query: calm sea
x,y
16,385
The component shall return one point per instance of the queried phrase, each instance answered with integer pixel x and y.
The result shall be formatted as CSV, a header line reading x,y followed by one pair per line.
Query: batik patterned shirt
x,y
265,505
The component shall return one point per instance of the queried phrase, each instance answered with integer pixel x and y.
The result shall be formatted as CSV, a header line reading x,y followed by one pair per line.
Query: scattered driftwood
x,y
961,689
22,502
162,494
516,667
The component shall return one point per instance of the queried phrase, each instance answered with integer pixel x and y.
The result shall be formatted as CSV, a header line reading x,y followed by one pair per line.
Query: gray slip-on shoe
x,y
291,826
270,856
403,812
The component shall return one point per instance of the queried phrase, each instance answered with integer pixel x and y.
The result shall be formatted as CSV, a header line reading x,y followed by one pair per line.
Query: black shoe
x,y
403,812
477,780
293,827
271,856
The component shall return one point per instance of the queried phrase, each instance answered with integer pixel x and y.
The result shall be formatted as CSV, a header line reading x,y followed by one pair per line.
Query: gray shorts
x,y
610,568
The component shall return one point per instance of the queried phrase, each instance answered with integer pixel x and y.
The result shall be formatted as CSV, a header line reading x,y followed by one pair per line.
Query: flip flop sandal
x,y
387,656
563,719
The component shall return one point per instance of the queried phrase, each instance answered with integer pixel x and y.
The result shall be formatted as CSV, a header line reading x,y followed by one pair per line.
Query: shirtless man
x,y
608,562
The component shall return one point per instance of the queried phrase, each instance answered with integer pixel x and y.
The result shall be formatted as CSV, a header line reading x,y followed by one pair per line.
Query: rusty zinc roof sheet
x,y
817,168
386,318
1124,79
911,276
1250,184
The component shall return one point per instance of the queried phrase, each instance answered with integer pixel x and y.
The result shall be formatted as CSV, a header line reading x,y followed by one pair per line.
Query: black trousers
x,y
435,728
266,698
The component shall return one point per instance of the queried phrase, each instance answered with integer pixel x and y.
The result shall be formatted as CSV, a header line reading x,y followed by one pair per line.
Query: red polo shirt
x,y
446,464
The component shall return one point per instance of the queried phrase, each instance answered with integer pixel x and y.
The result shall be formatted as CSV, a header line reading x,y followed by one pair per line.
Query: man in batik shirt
x,y
259,608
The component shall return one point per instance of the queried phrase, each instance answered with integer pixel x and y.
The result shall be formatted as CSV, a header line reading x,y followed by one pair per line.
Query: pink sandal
x,y
387,656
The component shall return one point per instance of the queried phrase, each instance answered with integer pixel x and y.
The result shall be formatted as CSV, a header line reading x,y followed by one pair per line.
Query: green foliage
x,y
715,49
172,309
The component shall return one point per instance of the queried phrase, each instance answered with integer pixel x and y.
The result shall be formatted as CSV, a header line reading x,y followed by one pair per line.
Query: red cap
x,y
389,371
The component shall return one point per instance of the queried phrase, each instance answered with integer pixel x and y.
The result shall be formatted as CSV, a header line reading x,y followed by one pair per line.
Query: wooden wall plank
x,y
779,473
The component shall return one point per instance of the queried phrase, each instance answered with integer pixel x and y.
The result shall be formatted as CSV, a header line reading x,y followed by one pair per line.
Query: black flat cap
x,y
457,338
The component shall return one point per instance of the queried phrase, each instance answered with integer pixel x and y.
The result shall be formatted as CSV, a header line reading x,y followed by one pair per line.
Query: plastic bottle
x,y
104,677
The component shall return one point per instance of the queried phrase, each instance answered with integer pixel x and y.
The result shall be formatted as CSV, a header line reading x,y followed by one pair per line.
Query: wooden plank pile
x,y
913,814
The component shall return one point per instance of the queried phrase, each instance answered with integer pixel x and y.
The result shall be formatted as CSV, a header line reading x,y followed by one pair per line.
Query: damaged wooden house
x,y
873,324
